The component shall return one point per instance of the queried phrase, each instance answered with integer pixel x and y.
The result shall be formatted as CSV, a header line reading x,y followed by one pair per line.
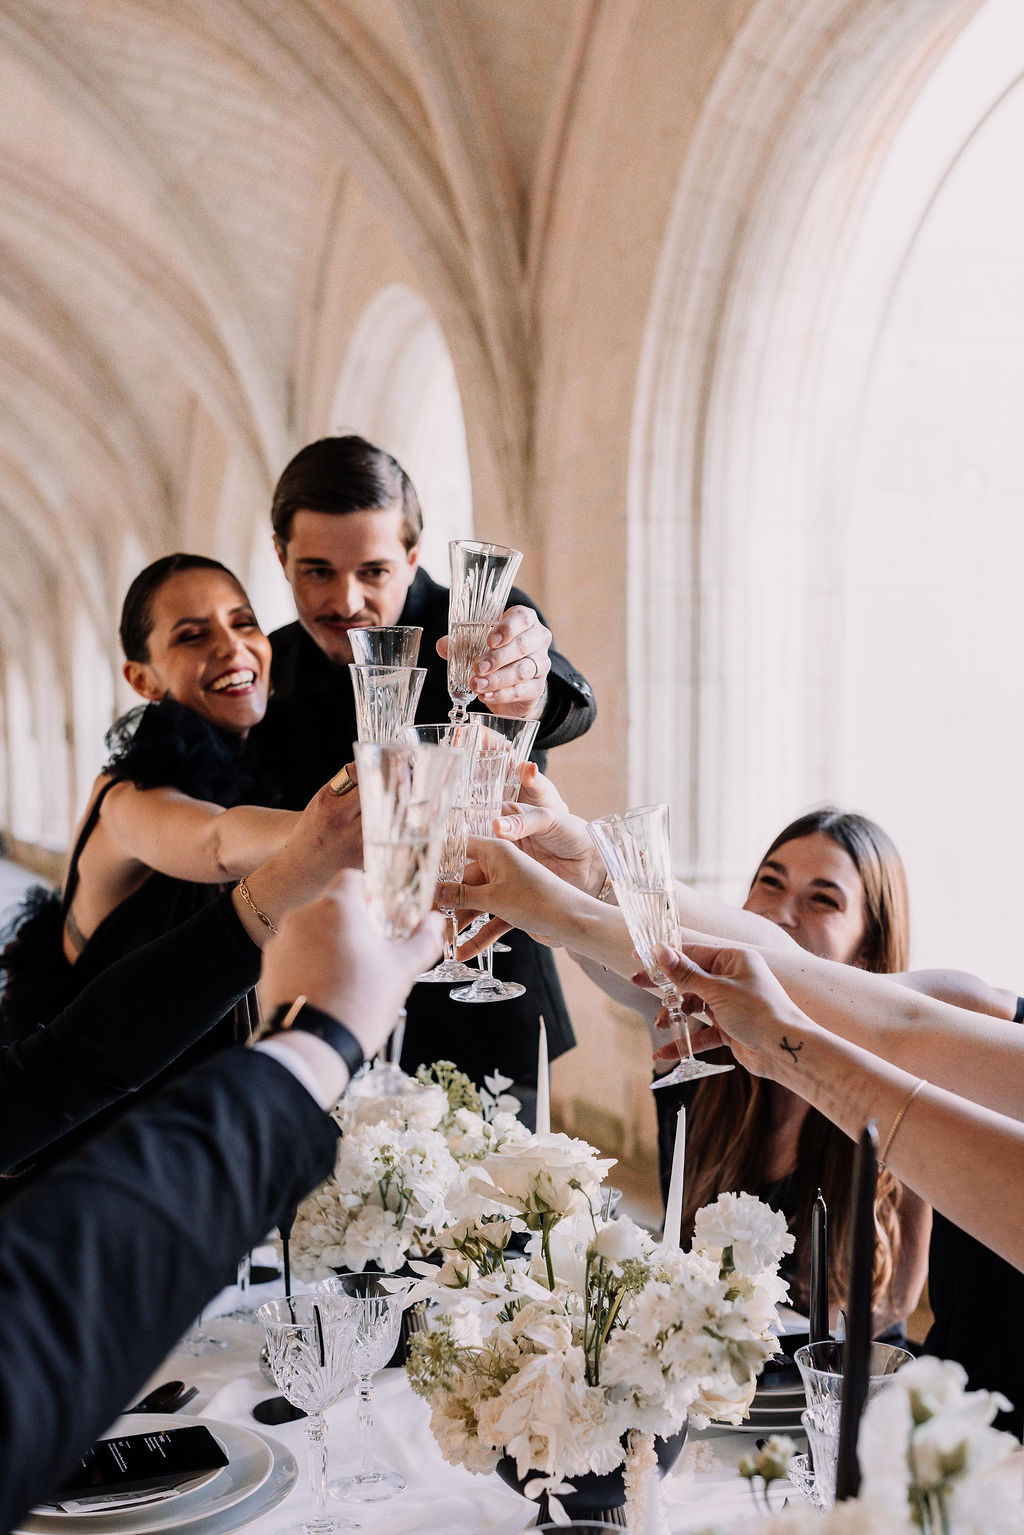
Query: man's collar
x,y
422,594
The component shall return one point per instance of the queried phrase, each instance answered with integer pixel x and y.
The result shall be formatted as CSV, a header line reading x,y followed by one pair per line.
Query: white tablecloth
x,y
439,1499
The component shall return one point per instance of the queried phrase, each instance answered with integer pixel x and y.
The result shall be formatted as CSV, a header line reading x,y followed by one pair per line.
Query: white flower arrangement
x,y
402,1156
927,1455
598,1337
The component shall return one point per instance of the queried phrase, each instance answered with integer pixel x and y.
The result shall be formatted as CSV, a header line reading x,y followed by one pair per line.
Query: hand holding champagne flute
x,y
481,579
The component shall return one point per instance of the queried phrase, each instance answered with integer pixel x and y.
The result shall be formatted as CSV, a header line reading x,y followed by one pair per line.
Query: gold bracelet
x,y
904,1106
606,889
243,890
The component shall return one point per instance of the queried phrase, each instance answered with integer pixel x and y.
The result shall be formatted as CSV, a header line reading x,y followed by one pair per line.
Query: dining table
x,y
703,1490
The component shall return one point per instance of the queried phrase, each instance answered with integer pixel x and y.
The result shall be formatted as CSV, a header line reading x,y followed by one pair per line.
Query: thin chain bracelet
x,y
904,1106
243,890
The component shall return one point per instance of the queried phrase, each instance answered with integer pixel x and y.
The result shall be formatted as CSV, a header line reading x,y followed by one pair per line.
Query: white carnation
x,y
756,1233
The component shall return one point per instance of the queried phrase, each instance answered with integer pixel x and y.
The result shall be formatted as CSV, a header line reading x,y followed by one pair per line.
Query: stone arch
x,y
397,386
756,351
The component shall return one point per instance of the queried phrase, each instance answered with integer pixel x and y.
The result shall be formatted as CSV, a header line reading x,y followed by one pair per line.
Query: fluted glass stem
x,y
316,1429
365,1426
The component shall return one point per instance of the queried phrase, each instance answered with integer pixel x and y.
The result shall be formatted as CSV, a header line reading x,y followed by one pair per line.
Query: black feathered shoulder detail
x,y
165,744
36,981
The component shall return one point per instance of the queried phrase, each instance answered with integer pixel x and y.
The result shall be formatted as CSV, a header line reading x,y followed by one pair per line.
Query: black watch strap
x,y
303,1015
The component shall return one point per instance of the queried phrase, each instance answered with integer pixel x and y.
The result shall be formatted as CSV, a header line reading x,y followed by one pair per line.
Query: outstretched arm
x,y
543,826
963,990
972,1054
192,839
965,1160
547,894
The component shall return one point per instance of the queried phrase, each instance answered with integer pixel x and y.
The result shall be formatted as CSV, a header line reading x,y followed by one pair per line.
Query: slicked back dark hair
x,y
137,610
345,474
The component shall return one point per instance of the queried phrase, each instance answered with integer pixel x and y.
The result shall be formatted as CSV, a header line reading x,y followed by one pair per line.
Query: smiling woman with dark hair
x,y
181,808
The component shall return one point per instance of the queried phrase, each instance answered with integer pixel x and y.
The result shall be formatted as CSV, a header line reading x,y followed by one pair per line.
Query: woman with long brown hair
x,y
835,882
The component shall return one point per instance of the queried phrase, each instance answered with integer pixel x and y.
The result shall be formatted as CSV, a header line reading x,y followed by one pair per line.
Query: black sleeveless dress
x,y
158,745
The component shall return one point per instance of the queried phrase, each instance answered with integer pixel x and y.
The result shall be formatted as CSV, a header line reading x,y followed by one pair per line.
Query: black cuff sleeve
x,y
570,709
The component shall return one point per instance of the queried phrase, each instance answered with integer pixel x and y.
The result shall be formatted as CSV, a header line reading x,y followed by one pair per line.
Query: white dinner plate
x,y
755,1426
250,1462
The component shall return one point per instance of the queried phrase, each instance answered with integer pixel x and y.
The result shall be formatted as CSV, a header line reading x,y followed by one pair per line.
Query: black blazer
x,y
123,1029
106,1261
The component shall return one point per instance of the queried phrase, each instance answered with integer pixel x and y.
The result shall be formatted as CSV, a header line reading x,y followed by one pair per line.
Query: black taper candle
x,y
857,1349
819,1328
285,1228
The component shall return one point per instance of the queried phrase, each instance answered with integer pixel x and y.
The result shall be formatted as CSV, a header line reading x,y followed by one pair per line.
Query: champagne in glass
x,y
487,789
405,795
466,645
400,879
482,576
462,737
637,854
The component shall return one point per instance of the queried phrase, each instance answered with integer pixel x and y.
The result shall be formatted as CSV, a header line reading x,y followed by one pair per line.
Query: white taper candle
x,y
674,1205
543,1084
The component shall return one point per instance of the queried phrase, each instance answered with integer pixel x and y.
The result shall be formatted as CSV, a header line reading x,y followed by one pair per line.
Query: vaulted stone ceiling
x,y
172,177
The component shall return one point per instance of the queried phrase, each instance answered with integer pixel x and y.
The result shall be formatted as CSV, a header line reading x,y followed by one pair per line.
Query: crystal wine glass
x,y
386,645
380,1303
405,794
481,578
385,699
311,1341
637,854
462,737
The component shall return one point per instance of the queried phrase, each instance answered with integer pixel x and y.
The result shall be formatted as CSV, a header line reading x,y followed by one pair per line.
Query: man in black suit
x,y
104,1262
347,526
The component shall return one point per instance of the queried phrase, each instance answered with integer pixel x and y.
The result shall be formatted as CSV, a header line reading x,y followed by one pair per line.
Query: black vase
x,y
600,1495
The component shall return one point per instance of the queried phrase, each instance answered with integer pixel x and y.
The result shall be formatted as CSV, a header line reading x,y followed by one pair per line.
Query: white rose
x,y
619,1240
546,1173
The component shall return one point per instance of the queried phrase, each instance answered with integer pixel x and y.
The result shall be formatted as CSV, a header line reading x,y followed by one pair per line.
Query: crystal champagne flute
x,y
520,734
481,578
385,699
462,737
637,854
487,790
386,645
405,795
311,1341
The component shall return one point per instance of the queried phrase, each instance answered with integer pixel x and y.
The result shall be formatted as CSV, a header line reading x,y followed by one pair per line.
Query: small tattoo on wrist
x,y
792,1050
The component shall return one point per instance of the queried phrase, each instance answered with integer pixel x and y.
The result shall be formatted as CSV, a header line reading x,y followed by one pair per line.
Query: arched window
x,y
820,508
398,388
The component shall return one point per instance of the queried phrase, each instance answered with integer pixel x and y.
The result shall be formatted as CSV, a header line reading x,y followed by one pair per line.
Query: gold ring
x,y
342,783
536,669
